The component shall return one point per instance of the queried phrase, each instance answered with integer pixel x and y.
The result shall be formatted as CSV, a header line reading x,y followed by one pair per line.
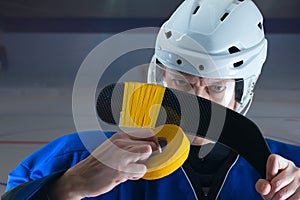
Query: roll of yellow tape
x,y
172,157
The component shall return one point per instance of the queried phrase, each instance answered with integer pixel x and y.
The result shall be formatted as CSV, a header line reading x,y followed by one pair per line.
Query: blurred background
x,y
44,42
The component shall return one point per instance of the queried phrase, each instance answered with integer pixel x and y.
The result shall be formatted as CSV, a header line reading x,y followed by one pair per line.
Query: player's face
x,y
217,90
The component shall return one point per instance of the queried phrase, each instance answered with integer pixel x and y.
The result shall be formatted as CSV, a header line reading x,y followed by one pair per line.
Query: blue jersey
x,y
52,160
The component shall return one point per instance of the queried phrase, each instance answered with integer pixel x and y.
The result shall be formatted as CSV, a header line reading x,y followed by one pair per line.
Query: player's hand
x,y
282,181
118,159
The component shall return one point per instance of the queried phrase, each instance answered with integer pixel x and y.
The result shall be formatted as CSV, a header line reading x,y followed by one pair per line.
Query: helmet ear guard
x,y
213,39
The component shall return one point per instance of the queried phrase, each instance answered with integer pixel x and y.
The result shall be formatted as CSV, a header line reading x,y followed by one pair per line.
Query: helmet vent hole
x,y
233,49
224,16
201,67
196,10
179,62
237,64
158,62
239,89
241,0
259,25
168,34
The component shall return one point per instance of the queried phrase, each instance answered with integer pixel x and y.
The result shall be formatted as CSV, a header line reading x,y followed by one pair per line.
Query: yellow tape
x,y
141,104
173,156
140,108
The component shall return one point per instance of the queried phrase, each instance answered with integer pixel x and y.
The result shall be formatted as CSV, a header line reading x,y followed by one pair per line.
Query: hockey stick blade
x,y
237,132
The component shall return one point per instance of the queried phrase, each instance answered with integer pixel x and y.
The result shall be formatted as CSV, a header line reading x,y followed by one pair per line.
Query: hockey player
x,y
213,49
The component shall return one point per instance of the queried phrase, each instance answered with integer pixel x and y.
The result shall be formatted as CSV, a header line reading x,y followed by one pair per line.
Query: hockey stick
x,y
237,132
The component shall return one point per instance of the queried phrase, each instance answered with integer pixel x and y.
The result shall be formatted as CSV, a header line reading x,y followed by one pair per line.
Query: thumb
x,y
263,187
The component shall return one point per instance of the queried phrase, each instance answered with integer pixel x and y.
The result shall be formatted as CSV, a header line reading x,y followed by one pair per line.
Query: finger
x,y
286,192
275,164
263,187
144,135
296,195
127,144
137,134
153,143
141,133
142,148
135,171
283,179
118,157
140,153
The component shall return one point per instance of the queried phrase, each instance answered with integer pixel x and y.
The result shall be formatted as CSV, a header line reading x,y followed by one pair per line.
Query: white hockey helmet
x,y
214,39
